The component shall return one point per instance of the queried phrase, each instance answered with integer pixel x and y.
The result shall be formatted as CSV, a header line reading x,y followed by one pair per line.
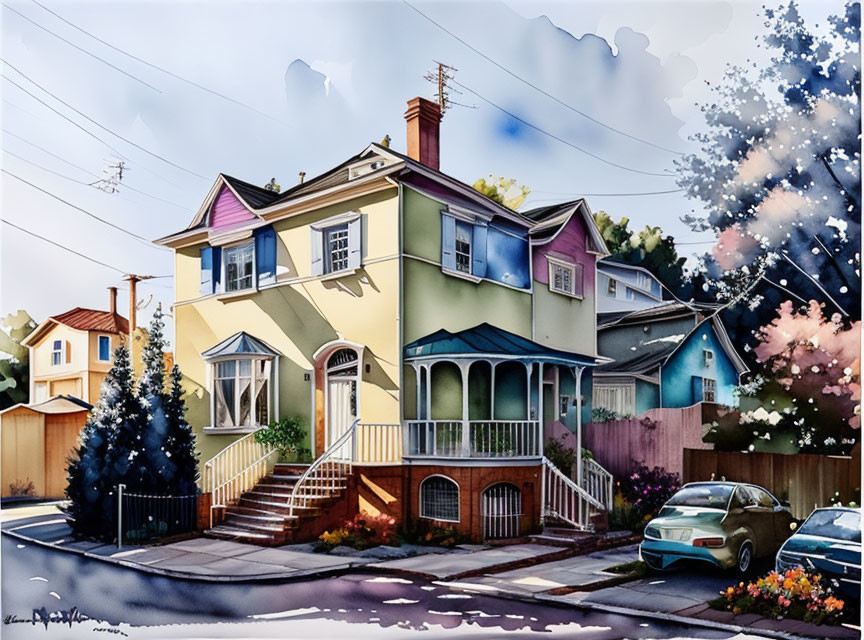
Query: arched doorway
x,y
341,378
501,510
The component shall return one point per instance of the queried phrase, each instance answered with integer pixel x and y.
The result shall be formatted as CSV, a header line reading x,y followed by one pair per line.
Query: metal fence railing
x,y
142,517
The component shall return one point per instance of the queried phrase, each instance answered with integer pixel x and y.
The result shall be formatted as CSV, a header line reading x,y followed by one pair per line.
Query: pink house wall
x,y
571,243
227,210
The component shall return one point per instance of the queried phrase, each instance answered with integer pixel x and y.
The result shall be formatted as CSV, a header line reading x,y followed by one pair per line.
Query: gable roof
x,y
55,405
486,339
550,220
83,320
657,352
252,195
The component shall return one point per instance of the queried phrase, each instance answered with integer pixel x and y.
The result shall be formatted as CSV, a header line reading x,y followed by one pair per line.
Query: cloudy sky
x,y
285,87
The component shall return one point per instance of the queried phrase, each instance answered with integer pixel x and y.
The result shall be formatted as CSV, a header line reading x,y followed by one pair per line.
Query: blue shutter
x,y
217,269
265,255
355,243
478,251
206,271
448,242
696,382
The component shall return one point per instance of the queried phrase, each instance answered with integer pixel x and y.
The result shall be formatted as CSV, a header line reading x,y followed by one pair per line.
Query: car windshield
x,y
834,523
713,496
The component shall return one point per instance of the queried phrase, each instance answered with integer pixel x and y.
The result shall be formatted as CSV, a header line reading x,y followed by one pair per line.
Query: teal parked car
x,y
727,524
828,543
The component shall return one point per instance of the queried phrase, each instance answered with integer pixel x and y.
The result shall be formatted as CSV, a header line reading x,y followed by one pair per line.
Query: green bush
x,y
286,435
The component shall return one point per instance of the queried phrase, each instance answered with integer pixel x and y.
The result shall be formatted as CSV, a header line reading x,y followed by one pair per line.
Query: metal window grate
x,y
709,390
439,499
502,511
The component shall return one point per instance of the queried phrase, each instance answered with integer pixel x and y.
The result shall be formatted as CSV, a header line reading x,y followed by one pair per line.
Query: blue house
x,y
670,355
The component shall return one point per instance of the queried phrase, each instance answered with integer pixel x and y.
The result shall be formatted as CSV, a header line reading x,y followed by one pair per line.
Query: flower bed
x,y
362,532
796,595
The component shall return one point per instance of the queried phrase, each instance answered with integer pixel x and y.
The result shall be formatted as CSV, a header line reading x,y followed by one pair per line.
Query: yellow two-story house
x,y
425,334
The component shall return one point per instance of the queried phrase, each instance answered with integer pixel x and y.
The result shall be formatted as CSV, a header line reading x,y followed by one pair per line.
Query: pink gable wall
x,y
571,243
227,210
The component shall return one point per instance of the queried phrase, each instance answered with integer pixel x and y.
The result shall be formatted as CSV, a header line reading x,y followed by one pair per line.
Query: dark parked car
x,y
725,523
829,543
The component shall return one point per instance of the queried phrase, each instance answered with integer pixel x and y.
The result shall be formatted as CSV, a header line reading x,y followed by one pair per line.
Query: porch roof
x,y
240,344
486,341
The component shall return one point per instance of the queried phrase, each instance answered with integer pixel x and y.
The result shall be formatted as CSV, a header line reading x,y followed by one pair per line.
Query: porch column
x,y
466,426
419,381
528,368
429,391
541,424
577,373
492,391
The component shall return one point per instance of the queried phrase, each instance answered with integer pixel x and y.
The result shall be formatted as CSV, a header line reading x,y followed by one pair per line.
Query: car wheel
x,y
745,557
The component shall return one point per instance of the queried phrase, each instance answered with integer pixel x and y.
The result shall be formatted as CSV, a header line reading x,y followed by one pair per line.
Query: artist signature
x,y
66,617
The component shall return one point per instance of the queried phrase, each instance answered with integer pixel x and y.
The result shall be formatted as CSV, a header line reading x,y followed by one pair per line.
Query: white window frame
x,y
556,263
327,252
272,381
612,287
624,388
61,352
224,252
562,400
709,385
98,349
456,253
458,498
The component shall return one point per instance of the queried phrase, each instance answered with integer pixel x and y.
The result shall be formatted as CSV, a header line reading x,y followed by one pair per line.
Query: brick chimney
x,y
112,299
424,119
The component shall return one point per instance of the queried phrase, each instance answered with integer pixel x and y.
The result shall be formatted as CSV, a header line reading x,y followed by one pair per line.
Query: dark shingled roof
x,y
539,214
255,196
647,359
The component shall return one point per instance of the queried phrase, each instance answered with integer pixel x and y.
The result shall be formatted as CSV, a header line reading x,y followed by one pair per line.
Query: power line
x,y
104,128
158,68
88,184
559,139
72,44
84,211
536,88
43,150
597,195
80,255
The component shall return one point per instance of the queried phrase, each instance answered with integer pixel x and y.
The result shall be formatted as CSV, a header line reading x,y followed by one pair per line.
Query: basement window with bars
x,y
439,499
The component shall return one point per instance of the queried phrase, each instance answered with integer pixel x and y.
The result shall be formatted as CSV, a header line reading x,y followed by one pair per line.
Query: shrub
x,y
362,531
648,489
286,435
562,456
795,594
22,488
429,533
606,415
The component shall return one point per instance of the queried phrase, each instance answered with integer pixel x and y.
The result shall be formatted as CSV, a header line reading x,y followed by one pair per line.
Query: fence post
x,y
120,488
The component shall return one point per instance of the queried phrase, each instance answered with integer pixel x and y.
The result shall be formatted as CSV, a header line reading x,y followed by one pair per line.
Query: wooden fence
x,y
805,480
657,437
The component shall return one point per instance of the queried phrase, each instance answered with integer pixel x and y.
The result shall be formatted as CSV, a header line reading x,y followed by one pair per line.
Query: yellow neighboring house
x,y
70,353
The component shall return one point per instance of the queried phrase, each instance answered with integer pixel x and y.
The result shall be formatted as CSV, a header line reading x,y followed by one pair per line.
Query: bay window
x,y
241,392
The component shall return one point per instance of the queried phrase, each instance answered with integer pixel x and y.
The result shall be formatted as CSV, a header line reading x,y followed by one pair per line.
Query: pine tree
x,y
181,439
151,394
92,478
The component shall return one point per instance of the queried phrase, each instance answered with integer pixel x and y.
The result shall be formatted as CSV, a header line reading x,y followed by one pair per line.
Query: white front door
x,y
341,400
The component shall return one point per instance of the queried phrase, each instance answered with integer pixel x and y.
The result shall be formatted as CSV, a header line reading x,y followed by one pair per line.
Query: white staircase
x,y
577,507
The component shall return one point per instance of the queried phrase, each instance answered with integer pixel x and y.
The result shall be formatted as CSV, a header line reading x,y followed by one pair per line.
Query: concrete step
x,y
227,532
241,523
278,507
290,468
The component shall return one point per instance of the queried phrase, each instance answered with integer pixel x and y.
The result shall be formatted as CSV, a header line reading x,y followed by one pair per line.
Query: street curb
x,y
626,611
286,577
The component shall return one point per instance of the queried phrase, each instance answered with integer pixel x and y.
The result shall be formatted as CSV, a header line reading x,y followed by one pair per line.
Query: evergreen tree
x,y
160,469
91,482
181,439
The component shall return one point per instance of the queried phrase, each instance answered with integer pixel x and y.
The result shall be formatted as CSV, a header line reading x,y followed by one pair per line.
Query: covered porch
x,y
485,393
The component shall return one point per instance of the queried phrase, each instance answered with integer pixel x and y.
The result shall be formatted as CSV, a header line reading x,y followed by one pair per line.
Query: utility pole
x,y
133,280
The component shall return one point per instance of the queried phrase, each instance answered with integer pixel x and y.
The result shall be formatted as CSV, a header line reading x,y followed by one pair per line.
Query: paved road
x,y
359,606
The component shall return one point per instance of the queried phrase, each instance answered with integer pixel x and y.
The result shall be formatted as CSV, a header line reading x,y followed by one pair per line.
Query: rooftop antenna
x,y
440,77
113,177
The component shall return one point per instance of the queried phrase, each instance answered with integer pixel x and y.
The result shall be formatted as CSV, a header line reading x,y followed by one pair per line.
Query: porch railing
x,y
378,444
327,474
597,482
473,438
236,469
564,500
